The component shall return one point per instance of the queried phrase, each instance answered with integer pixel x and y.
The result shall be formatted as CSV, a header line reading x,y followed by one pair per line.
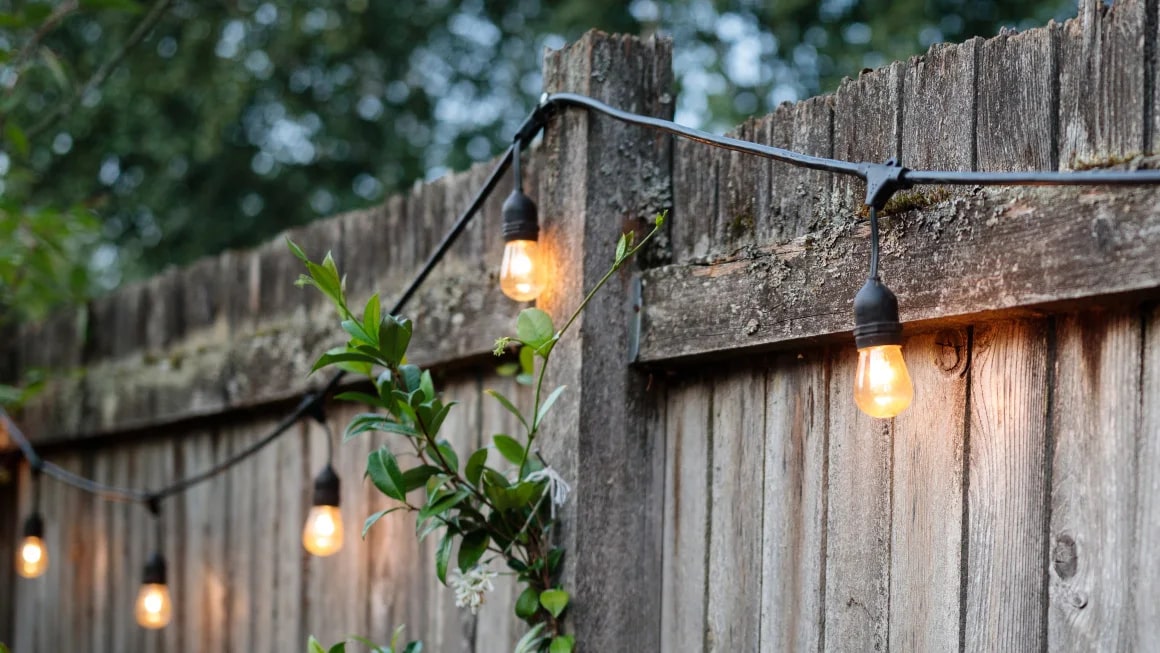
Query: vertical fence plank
x,y
793,538
858,520
1093,483
1101,87
1146,565
1006,478
1018,77
735,520
926,544
866,123
688,477
100,631
202,593
239,547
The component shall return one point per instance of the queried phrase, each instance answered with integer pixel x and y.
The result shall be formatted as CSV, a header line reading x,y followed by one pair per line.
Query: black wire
x,y
873,243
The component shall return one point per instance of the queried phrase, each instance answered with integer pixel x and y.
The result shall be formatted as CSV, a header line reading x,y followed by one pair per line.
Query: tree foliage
x,y
222,123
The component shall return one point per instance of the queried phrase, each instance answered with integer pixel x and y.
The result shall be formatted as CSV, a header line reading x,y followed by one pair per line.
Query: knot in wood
x,y
1064,557
949,354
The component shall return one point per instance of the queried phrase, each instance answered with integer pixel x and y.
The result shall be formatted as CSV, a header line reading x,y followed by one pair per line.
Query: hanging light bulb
x,y
522,274
32,555
154,608
882,386
322,535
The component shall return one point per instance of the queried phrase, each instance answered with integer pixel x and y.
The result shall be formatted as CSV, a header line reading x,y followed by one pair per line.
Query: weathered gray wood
x,y
1007,476
1018,90
995,250
695,174
733,614
1146,566
202,593
806,195
938,108
867,119
794,508
245,599
688,475
858,517
927,528
1095,427
585,203
1101,86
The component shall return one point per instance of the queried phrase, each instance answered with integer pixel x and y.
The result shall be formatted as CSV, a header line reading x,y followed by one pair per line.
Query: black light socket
x,y
154,570
521,219
34,526
326,487
876,316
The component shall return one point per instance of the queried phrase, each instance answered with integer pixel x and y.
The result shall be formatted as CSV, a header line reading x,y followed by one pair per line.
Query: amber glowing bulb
x,y
32,554
154,607
322,534
882,386
522,271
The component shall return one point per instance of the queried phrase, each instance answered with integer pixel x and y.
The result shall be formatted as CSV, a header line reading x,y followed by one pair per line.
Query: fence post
x,y
601,178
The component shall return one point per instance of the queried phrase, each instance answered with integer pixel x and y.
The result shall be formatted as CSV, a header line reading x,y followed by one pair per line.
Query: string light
x,y
322,534
882,382
522,272
32,554
154,609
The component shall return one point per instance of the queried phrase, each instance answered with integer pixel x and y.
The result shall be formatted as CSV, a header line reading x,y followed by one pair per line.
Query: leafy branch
x,y
473,505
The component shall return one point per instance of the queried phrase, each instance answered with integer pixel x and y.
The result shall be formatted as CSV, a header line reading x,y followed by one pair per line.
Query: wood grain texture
x,y
1096,427
867,122
688,473
1018,76
605,421
733,615
927,525
1101,84
1146,566
938,108
857,601
1007,476
994,252
793,547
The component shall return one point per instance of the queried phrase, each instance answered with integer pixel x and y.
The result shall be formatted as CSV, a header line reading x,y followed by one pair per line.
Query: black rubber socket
x,y
326,487
34,526
154,570
521,220
876,316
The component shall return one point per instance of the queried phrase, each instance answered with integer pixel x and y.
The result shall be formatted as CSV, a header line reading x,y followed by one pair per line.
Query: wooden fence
x,y
728,495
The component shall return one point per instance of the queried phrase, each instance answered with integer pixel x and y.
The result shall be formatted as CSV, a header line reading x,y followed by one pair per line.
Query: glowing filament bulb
x,y
522,271
31,557
322,535
154,609
882,386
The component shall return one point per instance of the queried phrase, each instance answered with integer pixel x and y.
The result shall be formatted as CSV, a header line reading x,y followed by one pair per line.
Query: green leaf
x,y
376,422
361,398
471,549
621,247
416,477
412,377
528,604
342,355
372,318
561,644
394,336
506,403
312,646
426,384
377,516
448,454
527,360
296,250
442,554
534,329
443,504
413,647
530,642
338,648
357,332
554,601
475,464
509,448
547,405
384,472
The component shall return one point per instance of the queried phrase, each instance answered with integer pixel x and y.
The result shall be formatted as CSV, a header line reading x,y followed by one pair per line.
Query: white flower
x,y
470,587
557,488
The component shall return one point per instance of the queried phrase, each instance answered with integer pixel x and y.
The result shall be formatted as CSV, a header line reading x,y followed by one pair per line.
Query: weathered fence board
x,y
1004,598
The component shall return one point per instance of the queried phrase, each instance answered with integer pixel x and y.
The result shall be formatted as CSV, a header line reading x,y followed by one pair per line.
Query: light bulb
x,y
521,275
31,557
154,609
322,535
882,386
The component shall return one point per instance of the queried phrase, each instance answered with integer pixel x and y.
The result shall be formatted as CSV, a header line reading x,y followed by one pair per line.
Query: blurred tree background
x,y
143,134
